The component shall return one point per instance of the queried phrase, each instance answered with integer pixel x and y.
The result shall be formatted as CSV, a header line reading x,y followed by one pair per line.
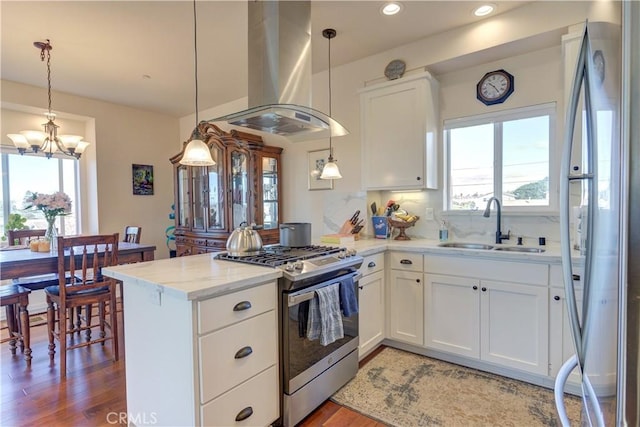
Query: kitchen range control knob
x,y
289,266
298,265
342,254
351,252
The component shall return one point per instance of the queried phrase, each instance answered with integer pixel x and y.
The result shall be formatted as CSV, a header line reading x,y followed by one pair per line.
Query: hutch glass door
x,y
239,188
183,196
216,190
270,194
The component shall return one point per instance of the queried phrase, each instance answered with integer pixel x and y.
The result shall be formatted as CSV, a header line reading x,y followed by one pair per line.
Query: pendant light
x,y
330,170
196,153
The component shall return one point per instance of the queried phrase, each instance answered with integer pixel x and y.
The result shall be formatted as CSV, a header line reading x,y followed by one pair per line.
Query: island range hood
x,y
279,60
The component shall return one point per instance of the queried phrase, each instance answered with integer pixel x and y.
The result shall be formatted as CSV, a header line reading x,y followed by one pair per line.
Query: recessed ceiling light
x,y
484,10
391,8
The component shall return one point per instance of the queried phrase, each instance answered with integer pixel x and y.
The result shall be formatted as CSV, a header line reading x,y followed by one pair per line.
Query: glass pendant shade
x,y
197,154
330,170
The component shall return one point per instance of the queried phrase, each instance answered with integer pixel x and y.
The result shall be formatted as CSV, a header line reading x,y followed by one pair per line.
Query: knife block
x,y
347,229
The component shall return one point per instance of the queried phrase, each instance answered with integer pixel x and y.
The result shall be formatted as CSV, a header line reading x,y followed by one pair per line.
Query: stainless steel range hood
x,y
279,88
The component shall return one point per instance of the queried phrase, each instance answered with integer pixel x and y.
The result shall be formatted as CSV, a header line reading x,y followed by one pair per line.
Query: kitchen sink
x,y
466,245
519,249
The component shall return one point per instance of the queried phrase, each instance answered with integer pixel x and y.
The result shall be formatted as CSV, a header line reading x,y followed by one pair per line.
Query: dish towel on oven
x,y
325,320
348,300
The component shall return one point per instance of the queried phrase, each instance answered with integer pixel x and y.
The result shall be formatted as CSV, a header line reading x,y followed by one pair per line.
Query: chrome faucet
x,y
487,213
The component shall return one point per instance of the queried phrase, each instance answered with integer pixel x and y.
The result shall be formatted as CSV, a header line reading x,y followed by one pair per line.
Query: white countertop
x,y
198,276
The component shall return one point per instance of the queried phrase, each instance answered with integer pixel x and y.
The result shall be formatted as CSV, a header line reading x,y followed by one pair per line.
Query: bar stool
x,y
15,296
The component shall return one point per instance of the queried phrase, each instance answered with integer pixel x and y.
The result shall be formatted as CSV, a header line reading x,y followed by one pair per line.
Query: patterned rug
x,y
405,389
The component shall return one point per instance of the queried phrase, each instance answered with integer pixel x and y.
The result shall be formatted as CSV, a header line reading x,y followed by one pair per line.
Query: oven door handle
x,y
298,298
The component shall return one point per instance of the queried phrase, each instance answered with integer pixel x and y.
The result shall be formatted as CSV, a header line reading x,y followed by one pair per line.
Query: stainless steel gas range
x,y
310,372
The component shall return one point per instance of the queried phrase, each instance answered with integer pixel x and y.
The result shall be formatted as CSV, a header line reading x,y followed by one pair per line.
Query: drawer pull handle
x,y
475,288
406,261
557,298
244,305
371,264
243,352
244,414
576,277
484,289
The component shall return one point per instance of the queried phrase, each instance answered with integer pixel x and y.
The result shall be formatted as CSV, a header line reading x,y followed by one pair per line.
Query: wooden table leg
x,y
12,327
26,329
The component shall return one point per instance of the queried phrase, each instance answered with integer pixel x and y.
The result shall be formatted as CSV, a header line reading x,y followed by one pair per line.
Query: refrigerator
x,y
600,178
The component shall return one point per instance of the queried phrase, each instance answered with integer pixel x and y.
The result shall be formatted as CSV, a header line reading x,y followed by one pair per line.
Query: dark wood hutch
x,y
243,186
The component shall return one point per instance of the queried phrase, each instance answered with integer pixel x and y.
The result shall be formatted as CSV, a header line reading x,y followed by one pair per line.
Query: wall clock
x,y
395,69
494,87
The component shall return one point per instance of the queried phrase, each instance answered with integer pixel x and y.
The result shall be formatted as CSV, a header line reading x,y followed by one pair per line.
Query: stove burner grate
x,y
274,256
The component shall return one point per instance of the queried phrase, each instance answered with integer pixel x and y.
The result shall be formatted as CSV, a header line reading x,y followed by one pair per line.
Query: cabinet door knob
x,y
406,261
417,280
371,264
243,352
475,288
557,298
484,289
361,287
576,277
418,178
244,414
243,305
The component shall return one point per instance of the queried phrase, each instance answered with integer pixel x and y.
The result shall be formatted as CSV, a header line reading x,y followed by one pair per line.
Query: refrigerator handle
x,y
558,389
566,178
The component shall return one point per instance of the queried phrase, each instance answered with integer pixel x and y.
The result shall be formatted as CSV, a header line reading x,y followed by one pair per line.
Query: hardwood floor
x,y
94,393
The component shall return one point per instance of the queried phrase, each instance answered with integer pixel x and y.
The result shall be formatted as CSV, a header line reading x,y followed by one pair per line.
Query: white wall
x,y
123,136
461,56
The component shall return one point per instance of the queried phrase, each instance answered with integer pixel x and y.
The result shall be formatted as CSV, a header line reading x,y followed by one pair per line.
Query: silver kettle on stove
x,y
244,240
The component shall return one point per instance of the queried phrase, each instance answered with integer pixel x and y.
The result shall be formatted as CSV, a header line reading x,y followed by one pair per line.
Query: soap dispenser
x,y
444,232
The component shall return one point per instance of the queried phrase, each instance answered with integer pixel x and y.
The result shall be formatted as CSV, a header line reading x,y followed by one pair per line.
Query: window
x,y
36,173
506,155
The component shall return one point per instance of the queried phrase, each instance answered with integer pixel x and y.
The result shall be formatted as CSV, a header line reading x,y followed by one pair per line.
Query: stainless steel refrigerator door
x,y
595,337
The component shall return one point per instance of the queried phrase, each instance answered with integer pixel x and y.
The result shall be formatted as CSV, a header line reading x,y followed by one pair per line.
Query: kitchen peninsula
x,y
181,329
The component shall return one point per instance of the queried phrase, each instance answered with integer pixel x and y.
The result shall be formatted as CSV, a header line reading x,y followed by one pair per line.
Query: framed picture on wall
x,y
142,179
317,160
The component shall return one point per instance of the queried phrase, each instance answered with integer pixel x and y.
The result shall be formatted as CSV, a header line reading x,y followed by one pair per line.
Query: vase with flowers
x,y
52,206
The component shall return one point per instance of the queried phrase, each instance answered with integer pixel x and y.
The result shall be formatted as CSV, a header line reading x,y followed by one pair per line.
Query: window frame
x,y
497,119
6,151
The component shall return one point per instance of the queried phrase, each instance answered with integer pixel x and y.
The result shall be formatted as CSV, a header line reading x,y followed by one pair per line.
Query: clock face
x,y
495,87
395,69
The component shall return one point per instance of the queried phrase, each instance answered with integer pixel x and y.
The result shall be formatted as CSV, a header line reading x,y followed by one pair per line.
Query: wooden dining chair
x,y
87,287
16,299
33,283
23,237
132,234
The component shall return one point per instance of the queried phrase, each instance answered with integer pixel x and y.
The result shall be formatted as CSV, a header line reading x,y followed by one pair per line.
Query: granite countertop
x,y
199,276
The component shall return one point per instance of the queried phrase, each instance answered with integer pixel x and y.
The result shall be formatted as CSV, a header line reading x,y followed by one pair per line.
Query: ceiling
x,y
140,53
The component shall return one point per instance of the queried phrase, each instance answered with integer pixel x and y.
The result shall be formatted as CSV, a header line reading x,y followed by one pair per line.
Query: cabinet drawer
x,y
260,394
216,313
405,261
372,264
222,364
556,279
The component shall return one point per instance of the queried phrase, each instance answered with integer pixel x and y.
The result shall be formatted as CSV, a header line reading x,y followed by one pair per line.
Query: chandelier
x,y
48,142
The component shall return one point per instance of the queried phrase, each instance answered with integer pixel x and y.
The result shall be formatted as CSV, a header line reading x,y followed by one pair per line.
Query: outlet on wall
x,y
428,213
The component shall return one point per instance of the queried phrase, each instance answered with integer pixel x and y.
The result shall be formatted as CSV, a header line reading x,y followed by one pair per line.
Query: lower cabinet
x,y
406,298
476,315
371,310
214,364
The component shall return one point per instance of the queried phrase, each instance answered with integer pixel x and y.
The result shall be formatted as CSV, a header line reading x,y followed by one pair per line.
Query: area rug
x,y
404,389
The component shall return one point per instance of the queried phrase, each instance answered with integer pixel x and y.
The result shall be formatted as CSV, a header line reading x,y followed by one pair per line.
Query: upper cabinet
x,y
400,133
243,186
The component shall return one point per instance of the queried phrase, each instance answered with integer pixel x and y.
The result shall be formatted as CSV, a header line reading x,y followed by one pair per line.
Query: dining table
x,y
16,262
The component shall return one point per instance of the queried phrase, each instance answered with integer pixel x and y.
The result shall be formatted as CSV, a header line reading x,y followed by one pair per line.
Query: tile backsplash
x,y
462,226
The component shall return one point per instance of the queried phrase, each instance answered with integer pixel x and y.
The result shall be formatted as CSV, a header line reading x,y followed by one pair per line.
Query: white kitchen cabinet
x,y
400,133
371,304
211,362
472,311
452,310
514,322
406,298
